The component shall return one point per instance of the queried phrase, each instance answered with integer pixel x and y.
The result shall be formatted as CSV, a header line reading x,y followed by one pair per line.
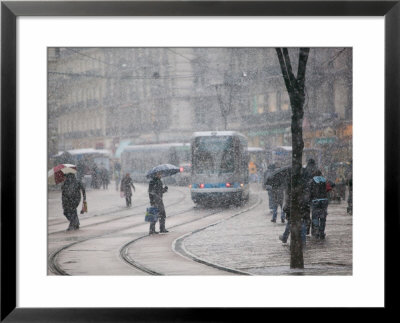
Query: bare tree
x,y
224,95
295,87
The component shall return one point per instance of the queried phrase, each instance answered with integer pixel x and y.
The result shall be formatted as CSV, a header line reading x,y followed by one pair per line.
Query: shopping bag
x,y
84,207
122,194
151,214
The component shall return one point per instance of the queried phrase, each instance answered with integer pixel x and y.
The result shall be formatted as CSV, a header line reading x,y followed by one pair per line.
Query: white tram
x,y
220,172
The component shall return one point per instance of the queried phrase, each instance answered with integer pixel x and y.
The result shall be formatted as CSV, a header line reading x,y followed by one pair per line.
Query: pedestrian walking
x,y
307,174
126,188
70,197
274,182
95,176
117,174
156,191
104,178
267,173
287,197
319,204
277,201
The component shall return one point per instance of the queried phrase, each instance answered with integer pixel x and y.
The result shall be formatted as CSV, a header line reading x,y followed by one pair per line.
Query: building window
x,y
284,101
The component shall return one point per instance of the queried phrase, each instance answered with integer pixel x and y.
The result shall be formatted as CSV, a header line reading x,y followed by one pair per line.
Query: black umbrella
x,y
164,170
279,177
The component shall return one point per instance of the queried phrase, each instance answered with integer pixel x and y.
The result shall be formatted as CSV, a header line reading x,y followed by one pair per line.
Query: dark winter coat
x,y
71,193
156,191
318,188
267,173
277,195
305,198
126,185
104,175
307,175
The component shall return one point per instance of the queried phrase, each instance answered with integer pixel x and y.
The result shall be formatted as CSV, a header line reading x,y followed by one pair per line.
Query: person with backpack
x,y
70,198
307,174
319,204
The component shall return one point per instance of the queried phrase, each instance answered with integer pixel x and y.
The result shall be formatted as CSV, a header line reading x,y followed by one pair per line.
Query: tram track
x,y
178,245
57,269
117,211
52,259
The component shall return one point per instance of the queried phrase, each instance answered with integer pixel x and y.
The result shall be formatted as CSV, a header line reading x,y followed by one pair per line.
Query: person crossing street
x,y
126,185
70,198
156,191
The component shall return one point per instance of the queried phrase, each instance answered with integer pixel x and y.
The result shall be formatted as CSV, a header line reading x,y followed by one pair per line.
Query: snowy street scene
x,y
200,161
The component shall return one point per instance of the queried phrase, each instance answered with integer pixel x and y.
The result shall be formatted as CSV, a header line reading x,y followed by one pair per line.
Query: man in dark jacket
x,y
70,198
307,174
156,191
104,178
267,173
276,201
126,185
319,204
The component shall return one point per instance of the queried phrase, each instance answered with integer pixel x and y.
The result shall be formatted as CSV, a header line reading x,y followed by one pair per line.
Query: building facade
x,y
108,97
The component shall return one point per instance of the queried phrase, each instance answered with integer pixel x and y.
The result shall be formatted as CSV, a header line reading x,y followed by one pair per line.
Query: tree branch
x,y
284,70
289,66
301,73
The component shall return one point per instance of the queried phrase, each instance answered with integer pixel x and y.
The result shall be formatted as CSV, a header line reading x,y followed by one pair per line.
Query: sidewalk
x,y
249,242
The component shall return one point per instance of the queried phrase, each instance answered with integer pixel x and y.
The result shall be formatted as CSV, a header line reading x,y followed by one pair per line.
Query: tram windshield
x,y
214,155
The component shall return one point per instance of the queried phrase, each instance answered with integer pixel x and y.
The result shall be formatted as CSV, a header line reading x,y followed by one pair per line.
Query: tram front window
x,y
213,155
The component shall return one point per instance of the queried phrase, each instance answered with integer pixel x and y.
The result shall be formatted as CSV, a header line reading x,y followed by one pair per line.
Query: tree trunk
x,y
296,246
295,88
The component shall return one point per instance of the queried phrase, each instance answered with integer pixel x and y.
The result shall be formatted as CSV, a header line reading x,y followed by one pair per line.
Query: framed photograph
x,y
170,133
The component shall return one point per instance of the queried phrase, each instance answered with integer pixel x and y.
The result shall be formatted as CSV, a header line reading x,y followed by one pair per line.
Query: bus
x,y
139,159
220,170
88,161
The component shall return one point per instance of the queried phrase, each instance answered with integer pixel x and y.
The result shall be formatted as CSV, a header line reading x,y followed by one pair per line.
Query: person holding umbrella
x,y
70,192
156,191
275,184
126,185
71,197
267,174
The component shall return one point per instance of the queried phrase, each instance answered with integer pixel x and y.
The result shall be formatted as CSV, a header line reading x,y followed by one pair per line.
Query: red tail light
x,y
228,184
201,185
181,169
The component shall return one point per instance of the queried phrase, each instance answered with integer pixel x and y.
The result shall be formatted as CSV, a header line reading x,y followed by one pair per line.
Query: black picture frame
x,y
10,10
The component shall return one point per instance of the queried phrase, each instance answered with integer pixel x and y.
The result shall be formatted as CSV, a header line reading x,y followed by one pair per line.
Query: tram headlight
x,y
241,185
